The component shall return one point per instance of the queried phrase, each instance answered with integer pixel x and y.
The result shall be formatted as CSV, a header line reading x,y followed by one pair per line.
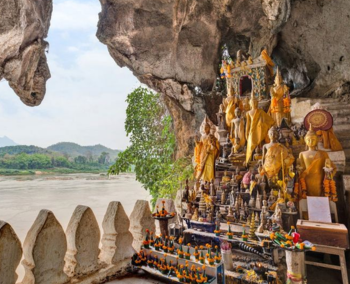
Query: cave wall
x,y
174,46
24,25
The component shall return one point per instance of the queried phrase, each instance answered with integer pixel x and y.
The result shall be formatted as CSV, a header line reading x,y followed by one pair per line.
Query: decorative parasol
x,y
320,120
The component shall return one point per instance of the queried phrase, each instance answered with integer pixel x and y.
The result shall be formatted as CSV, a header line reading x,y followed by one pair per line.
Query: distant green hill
x,y
19,149
74,150
5,141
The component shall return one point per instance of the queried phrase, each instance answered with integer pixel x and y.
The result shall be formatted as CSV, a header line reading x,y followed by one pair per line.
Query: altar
x,y
254,167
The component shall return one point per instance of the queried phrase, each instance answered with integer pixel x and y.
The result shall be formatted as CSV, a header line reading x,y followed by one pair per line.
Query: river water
x,y
22,197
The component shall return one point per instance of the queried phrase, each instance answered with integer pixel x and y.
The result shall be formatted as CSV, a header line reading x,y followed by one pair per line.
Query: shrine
x,y
261,175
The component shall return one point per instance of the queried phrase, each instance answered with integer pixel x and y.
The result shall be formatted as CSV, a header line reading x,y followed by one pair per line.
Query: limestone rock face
x,y
175,46
141,220
24,25
10,254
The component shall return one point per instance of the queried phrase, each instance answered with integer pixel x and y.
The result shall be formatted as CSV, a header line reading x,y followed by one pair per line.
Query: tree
x,y
152,148
104,158
80,160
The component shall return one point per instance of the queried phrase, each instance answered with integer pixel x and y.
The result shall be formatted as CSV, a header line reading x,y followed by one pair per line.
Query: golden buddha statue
x,y
280,101
257,126
276,157
229,105
206,151
312,162
225,178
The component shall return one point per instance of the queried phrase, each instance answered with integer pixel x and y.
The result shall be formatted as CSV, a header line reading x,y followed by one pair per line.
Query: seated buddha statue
x,y
275,155
311,165
257,125
280,101
205,153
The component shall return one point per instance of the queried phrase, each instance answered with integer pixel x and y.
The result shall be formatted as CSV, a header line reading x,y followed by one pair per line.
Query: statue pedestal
x,y
223,135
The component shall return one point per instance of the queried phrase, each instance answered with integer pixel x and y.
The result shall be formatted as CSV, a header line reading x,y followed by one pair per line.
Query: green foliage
x,y
152,148
14,150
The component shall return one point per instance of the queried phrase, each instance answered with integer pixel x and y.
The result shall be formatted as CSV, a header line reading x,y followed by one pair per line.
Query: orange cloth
x,y
268,60
256,130
329,139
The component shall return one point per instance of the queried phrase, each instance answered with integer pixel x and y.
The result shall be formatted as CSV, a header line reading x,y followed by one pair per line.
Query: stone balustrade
x,y
75,256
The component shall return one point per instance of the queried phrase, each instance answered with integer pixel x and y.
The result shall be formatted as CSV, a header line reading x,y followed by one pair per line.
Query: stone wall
x,y
52,255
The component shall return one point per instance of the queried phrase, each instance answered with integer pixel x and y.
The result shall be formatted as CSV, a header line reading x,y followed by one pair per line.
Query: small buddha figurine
x,y
258,201
280,101
312,162
251,203
237,132
257,126
226,149
212,189
225,178
223,198
221,118
205,153
262,226
195,215
272,199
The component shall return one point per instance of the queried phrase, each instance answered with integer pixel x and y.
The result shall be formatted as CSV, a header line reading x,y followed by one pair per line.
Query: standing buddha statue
x,y
257,126
312,162
275,155
206,151
229,105
237,132
280,101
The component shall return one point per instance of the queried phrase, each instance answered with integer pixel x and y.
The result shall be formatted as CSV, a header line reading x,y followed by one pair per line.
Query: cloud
x,y
75,15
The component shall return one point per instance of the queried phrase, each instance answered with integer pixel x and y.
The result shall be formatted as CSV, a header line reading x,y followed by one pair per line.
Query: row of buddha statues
x,y
258,135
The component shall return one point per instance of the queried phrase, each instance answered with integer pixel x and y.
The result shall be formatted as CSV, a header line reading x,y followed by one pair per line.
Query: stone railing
x,y
75,256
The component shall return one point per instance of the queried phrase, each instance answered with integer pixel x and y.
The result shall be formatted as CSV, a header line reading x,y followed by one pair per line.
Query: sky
x,y
85,97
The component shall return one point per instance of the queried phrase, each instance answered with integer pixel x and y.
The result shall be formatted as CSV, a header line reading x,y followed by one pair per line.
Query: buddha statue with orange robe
x,y
276,158
280,101
205,153
257,126
312,163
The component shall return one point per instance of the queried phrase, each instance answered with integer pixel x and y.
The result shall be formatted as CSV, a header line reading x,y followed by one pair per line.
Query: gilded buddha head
x,y
311,138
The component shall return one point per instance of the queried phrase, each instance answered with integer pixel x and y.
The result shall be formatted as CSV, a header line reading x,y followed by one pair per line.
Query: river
x,y
22,197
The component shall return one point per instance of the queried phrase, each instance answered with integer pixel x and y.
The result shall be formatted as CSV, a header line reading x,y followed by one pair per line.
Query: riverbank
x,y
52,171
